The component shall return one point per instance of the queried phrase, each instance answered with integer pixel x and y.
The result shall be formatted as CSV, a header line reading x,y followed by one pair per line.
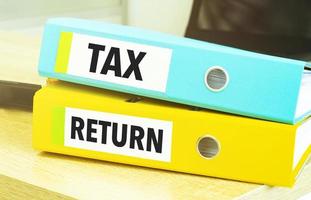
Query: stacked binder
x,y
138,97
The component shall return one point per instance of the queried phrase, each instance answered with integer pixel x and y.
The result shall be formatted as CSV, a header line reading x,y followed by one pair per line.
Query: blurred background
x,y
275,27
22,22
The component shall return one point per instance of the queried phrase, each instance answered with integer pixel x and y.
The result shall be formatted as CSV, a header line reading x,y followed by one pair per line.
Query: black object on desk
x,y
17,94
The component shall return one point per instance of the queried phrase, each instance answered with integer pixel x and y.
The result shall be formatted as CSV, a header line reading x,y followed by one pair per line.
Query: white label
x,y
302,141
118,134
120,62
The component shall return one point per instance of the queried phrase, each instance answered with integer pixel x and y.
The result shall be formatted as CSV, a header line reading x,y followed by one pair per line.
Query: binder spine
x,y
239,148
198,73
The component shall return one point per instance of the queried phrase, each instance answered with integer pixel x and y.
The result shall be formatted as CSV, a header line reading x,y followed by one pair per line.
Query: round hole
x,y
208,147
216,78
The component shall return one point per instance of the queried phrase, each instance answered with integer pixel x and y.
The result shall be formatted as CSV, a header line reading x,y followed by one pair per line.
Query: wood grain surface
x,y
91,179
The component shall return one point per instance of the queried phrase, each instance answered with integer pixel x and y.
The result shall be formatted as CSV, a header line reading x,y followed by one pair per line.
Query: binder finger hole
x,y
208,147
216,78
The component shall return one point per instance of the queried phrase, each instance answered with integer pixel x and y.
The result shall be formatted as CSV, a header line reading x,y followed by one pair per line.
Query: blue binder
x,y
176,69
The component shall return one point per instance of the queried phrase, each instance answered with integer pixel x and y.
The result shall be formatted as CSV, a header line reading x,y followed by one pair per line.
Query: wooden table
x,y
29,174
26,173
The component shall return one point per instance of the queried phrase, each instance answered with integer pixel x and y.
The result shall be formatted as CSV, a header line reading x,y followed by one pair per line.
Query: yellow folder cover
x,y
95,123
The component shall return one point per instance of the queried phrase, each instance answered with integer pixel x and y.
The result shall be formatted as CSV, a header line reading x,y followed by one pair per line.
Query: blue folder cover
x,y
172,68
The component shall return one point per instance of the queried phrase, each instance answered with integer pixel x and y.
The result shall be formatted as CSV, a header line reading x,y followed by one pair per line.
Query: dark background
x,y
277,27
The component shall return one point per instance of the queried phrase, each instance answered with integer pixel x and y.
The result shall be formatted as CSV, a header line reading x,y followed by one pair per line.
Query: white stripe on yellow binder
x,y
89,122
117,134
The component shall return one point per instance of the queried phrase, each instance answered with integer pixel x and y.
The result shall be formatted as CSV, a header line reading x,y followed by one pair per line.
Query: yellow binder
x,y
96,123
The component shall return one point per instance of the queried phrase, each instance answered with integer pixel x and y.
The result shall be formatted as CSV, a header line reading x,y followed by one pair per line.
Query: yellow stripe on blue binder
x,y
62,59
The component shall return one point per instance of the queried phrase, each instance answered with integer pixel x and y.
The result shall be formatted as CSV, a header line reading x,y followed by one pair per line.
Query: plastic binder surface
x,y
95,123
175,69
